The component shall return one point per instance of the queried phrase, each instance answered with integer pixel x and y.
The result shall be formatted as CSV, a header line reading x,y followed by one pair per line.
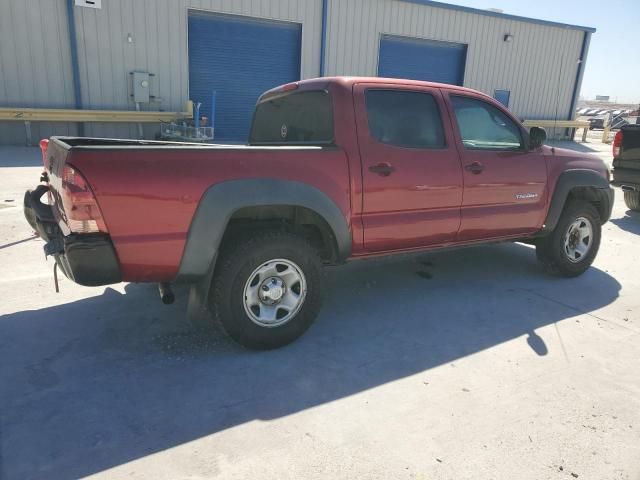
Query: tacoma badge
x,y
525,196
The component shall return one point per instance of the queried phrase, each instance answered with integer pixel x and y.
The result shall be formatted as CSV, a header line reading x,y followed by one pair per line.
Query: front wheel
x,y
632,199
572,246
266,290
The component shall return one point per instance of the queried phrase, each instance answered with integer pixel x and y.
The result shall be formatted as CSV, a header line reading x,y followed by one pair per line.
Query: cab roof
x,y
349,82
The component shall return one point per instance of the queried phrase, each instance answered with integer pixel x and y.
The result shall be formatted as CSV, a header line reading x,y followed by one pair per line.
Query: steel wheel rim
x,y
274,293
578,240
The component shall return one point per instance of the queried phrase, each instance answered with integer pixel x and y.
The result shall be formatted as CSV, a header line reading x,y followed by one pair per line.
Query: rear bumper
x,y
626,177
87,259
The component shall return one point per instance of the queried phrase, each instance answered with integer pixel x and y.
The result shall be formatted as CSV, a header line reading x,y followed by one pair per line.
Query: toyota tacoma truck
x,y
336,169
626,164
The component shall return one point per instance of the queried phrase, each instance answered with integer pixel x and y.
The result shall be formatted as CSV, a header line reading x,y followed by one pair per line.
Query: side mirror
x,y
537,136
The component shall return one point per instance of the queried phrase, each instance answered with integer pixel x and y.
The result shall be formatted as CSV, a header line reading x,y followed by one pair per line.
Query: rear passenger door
x,y
411,171
504,182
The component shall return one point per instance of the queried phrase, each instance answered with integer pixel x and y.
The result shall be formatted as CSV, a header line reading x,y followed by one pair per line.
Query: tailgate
x,y
630,149
54,161
70,222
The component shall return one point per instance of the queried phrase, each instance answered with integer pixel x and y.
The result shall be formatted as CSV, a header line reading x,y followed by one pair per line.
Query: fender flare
x,y
567,181
221,200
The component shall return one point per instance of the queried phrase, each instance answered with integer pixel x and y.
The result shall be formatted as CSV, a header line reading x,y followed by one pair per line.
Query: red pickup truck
x,y
336,169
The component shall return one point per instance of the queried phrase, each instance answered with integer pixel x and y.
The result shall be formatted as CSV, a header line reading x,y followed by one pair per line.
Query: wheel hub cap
x,y
272,290
578,239
274,293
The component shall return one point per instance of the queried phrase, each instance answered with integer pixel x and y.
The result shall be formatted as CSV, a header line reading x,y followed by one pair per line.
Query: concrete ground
x,y
469,364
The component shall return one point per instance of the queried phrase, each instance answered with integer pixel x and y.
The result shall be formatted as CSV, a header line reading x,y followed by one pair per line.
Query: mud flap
x,y
198,312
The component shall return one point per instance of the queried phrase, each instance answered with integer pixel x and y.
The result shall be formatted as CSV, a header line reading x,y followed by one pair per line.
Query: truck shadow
x,y
630,222
102,381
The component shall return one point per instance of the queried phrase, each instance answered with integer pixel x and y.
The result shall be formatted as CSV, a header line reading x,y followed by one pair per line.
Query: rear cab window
x,y
483,126
296,118
404,118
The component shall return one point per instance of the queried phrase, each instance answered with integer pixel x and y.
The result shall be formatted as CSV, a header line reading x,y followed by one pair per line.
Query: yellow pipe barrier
x,y
73,115
574,124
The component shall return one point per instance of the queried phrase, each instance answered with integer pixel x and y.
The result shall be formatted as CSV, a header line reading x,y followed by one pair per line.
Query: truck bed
x,y
89,143
148,191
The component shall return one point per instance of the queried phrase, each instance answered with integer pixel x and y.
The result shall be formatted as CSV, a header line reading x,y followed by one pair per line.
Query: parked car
x,y
336,169
626,164
597,123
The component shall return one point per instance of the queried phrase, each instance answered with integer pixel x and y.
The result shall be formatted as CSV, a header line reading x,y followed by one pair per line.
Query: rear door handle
x,y
383,169
475,167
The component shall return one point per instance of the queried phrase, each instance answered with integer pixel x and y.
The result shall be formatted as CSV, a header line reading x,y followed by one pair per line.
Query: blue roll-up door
x,y
419,59
238,58
502,96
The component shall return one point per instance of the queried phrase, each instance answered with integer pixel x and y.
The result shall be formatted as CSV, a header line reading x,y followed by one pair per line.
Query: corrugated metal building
x,y
236,48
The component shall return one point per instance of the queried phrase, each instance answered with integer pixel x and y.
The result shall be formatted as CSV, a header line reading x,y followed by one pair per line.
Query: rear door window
x,y
299,118
404,118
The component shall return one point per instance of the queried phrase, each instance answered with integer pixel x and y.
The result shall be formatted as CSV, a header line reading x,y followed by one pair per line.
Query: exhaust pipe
x,y
166,294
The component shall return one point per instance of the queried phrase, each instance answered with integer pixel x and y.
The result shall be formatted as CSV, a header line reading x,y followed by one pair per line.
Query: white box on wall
x,y
89,3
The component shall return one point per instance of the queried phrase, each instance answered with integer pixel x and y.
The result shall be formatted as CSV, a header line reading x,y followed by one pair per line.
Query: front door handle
x,y
475,167
383,169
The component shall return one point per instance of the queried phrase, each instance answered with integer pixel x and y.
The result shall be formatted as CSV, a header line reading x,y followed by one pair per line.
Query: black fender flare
x,y
575,178
221,200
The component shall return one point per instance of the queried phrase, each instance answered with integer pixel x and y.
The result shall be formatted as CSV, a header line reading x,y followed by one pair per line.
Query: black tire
x,y
632,199
237,263
550,249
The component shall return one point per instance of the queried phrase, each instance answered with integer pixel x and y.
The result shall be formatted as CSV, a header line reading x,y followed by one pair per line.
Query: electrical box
x,y
89,3
141,87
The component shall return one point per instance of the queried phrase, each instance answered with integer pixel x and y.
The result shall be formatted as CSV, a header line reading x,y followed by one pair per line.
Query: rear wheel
x,y
632,199
572,246
266,290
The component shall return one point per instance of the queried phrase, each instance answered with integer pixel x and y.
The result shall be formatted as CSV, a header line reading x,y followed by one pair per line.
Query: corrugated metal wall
x,y
159,31
539,67
529,66
34,40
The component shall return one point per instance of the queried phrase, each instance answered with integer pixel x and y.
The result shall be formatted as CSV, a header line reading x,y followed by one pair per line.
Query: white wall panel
x,y
539,66
159,32
35,64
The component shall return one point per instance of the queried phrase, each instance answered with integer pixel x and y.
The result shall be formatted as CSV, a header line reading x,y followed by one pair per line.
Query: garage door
x,y
418,59
238,58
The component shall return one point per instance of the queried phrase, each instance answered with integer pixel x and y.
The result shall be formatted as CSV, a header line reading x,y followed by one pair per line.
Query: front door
x,y
411,171
504,183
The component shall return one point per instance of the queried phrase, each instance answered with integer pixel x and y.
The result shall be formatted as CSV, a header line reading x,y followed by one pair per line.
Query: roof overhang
x,y
491,13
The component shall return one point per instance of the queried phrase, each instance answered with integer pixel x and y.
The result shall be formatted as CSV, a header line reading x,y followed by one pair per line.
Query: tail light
x,y
44,145
617,143
79,204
